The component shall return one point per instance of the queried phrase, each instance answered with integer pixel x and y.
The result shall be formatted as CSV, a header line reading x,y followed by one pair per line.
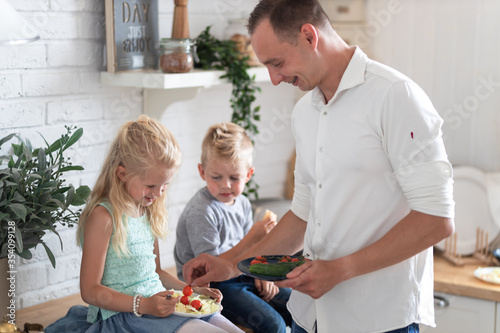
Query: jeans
x,y
242,305
413,328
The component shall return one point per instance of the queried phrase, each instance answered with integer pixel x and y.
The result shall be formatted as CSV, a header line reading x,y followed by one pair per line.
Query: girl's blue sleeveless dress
x,y
129,274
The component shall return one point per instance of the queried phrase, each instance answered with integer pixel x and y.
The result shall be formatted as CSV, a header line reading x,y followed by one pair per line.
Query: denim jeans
x,y
242,305
413,328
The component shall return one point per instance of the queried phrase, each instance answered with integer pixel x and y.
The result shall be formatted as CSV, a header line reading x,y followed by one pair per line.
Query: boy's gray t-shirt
x,y
207,225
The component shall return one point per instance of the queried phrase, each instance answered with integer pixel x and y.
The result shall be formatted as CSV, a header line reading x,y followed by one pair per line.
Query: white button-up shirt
x,y
364,160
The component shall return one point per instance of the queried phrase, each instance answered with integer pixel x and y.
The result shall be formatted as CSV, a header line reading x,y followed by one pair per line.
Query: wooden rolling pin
x,y
180,27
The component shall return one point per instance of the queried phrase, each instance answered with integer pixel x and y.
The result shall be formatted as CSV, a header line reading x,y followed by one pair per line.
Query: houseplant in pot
x,y
34,196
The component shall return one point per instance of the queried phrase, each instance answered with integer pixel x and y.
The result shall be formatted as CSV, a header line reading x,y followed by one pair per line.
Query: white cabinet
x,y
498,318
460,314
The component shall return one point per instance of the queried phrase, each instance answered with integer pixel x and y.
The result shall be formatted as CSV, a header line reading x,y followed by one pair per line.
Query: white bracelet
x,y
136,303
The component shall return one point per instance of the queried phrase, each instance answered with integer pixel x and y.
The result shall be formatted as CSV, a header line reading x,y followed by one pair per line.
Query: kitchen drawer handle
x,y
441,301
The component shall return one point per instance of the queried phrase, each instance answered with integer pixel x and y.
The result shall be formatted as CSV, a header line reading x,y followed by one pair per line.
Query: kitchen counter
x,y
461,281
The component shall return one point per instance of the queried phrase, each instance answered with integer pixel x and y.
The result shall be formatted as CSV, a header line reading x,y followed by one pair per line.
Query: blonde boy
x,y
218,221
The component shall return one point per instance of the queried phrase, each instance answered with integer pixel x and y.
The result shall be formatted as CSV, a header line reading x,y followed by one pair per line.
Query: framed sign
x,y
131,34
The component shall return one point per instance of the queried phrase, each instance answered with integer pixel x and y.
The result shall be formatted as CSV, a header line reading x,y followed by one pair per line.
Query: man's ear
x,y
121,172
201,171
310,34
249,174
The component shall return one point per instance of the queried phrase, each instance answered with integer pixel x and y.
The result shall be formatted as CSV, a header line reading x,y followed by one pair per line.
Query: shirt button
x,y
320,149
319,223
320,185
324,113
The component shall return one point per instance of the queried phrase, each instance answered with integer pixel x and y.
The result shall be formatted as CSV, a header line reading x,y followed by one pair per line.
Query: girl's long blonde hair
x,y
140,146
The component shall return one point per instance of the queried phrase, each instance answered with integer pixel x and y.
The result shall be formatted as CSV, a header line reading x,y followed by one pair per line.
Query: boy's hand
x,y
267,289
263,227
210,292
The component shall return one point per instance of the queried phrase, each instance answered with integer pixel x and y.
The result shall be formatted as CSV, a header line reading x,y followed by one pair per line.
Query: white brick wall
x,y
55,82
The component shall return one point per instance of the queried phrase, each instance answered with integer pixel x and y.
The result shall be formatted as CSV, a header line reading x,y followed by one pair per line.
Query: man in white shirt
x,y
373,185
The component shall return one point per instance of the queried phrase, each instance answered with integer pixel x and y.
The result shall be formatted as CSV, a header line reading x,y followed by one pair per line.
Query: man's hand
x,y
314,278
205,268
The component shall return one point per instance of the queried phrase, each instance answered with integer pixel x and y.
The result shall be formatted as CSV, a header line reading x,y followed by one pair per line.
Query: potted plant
x,y
34,197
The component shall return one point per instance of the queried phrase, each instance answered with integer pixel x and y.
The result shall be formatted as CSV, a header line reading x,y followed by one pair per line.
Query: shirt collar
x,y
354,75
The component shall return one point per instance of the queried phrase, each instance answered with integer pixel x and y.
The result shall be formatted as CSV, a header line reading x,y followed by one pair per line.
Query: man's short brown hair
x,y
288,16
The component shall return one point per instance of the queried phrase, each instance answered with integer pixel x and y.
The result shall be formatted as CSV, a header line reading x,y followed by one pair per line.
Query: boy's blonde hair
x,y
139,147
227,141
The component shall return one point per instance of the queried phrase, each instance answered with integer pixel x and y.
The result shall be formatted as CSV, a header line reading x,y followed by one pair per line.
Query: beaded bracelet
x,y
136,303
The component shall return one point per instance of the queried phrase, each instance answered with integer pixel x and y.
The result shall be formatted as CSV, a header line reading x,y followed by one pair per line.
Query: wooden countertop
x,y
461,280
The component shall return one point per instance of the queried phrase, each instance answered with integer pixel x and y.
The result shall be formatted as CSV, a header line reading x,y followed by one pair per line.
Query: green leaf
x,y
19,239
74,138
53,147
26,254
6,138
27,150
81,196
50,184
11,162
58,203
19,210
42,160
50,255
18,197
70,195
17,148
71,168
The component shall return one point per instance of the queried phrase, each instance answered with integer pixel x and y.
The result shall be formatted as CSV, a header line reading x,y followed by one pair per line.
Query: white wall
x,y
55,82
451,49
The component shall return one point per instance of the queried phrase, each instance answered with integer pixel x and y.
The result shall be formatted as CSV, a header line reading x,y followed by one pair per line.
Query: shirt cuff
x,y
428,187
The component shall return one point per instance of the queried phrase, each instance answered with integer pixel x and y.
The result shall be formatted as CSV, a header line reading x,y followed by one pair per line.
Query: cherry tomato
x,y
255,261
261,258
187,291
196,304
185,300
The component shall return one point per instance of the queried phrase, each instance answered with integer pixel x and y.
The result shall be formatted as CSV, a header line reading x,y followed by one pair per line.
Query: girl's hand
x,y
210,292
267,289
158,305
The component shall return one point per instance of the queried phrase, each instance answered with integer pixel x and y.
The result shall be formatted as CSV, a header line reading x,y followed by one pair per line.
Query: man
x,y
373,185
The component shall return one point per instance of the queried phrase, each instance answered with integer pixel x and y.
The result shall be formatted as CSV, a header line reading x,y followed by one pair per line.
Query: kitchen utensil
x,y
180,26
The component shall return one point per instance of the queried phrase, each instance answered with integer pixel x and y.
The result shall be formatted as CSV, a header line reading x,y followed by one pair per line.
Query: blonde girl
x,y
121,277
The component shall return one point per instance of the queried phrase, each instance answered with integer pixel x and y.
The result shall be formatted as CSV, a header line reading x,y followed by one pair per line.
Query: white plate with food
x,y
198,306
488,274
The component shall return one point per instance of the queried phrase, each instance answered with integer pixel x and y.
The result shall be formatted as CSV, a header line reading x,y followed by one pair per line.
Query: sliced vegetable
x,y
276,269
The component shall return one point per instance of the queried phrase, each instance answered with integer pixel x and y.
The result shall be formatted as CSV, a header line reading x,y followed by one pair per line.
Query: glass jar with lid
x,y
176,55
237,32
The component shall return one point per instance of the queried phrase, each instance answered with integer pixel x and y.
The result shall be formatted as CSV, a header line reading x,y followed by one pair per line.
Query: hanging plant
x,y
222,55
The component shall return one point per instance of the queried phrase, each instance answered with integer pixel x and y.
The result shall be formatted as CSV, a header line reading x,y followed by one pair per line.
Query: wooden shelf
x,y
161,89
157,80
